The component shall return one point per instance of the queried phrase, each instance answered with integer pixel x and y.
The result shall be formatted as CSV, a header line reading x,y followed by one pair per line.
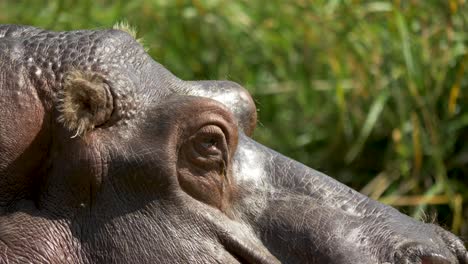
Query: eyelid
x,y
209,132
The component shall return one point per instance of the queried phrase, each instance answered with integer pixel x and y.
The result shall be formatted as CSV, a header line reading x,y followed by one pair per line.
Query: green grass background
x,y
373,93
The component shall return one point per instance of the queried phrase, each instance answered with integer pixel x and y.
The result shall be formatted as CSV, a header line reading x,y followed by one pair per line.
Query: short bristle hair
x,y
132,31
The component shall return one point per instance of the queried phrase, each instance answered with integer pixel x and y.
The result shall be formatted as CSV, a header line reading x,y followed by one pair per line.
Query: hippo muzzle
x,y
106,157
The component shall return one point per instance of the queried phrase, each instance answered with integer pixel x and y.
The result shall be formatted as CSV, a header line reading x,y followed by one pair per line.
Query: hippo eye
x,y
209,142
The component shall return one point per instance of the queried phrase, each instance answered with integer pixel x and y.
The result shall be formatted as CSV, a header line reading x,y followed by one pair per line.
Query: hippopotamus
x,y
107,157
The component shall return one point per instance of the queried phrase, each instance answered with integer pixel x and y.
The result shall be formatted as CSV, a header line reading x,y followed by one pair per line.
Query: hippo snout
x,y
420,252
428,244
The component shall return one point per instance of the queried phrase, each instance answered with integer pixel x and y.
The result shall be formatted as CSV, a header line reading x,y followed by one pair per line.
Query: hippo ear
x,y
85,102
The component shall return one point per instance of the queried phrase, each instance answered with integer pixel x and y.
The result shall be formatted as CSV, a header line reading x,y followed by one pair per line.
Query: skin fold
x,y
107,157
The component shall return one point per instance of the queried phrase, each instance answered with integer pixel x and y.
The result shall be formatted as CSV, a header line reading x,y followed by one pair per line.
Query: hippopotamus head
x,y
106,157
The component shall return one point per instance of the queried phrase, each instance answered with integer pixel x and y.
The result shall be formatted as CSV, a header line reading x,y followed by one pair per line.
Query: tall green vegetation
x,y
373,93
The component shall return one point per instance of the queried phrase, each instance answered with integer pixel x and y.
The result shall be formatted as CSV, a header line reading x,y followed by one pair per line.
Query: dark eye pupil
x,y
210,142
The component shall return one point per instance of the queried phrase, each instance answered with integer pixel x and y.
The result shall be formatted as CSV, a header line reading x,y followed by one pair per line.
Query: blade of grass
x,y
371,120
458,213
414,200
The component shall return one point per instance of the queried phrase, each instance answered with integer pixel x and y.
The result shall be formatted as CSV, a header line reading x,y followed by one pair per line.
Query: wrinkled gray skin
x,y
114,195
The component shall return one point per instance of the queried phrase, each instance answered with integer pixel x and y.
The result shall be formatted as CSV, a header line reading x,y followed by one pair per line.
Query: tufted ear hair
x,y
85,102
